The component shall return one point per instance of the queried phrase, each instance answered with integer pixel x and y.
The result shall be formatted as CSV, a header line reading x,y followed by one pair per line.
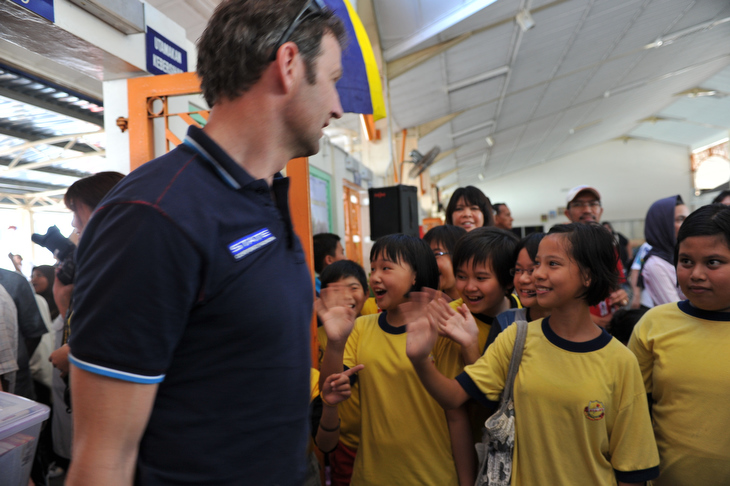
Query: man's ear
x,y
287,65
329,259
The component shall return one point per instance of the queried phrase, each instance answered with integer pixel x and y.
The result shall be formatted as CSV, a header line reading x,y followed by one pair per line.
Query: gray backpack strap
x,y
514,362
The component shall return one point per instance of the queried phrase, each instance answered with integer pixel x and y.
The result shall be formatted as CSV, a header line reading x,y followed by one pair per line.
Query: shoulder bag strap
x,y
514,362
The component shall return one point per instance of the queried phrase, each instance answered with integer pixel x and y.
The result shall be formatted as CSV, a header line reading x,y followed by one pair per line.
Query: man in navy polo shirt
x,y
190,342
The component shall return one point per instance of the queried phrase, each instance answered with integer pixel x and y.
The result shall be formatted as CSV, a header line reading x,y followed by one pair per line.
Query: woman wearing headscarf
x,y
658,274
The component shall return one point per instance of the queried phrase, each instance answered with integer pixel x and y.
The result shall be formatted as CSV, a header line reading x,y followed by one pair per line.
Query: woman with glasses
x,y
524,284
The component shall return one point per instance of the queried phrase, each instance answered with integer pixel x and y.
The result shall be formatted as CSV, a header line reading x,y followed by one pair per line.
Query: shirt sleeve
x,y
30,322
490,371
350,357
633,450
8,334
660,280
640,345
138,279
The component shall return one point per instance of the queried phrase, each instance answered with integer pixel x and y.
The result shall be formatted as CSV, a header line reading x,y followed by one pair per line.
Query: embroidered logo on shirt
x,y
594,410
250,243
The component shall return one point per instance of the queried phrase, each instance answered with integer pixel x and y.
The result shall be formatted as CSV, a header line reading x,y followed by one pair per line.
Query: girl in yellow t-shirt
x,y
682,353
581,415
404,436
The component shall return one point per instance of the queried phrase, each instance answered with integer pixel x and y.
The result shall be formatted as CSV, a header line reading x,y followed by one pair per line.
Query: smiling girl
x,y
405,435
682,350
524,283
442,240
581,415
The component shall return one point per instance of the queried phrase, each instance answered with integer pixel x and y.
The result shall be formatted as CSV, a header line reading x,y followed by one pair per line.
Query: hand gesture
x,y
458,325
338,317
336,388
422,333
619,298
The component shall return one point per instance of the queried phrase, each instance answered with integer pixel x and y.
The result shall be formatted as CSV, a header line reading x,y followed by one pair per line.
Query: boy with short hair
x,y
352,277
327,250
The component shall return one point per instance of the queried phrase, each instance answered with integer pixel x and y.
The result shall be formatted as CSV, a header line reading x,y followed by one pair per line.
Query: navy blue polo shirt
x,y
190,276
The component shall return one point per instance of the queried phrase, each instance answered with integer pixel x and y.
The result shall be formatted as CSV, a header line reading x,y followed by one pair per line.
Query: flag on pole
x,y
359,88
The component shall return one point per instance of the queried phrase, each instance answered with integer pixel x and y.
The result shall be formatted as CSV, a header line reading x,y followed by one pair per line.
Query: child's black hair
x,y
472,196
325,244
413,251
530,243
623,322
710,220
592,248
493,245
343,269
721,196
445,236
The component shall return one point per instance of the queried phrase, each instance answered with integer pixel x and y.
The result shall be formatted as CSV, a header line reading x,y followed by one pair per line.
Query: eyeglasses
x,y
311,8
585,204
518,272
440,253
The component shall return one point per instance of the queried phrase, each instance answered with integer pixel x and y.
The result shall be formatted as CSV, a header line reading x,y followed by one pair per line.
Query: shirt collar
x,y
227,169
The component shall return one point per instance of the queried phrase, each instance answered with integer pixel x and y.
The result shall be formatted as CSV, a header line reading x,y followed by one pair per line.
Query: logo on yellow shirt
x,y
594,410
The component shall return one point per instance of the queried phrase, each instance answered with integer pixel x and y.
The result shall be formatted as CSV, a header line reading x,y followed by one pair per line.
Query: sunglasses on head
x,y
311,8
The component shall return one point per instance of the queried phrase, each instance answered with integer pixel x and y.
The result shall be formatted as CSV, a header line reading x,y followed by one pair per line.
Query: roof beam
x,y
33,137
458,14
46,163
56,141
96,119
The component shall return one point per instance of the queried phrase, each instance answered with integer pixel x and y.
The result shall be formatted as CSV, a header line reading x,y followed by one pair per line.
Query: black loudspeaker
x,y
393,209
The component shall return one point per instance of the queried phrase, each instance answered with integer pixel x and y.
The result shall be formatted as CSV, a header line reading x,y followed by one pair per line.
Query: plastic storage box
x,y
20,426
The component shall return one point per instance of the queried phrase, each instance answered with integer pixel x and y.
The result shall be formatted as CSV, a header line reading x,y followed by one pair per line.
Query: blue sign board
x,y
44,8
163,56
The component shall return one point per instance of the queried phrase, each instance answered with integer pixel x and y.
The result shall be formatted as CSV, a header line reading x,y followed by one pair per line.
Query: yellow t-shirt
x,y
370,307
684,359
349,410
404,436
581,415
450,352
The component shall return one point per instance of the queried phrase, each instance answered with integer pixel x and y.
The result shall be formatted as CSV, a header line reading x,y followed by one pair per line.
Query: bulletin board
x,y
321,202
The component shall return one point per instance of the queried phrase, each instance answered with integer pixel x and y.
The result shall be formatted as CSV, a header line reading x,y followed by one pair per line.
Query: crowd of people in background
x,y
591,408
413,357
181,350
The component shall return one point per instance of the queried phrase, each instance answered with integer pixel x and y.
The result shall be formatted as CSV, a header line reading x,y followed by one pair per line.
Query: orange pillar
x,y
300,208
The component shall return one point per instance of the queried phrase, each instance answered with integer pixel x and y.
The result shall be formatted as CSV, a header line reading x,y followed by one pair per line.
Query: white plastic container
x,y
20,426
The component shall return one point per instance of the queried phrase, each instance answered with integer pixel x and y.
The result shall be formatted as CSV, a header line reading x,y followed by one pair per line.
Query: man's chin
x,y
308,150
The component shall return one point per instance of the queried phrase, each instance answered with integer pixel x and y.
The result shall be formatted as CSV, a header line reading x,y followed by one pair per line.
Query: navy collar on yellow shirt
x,y
586,347
687,307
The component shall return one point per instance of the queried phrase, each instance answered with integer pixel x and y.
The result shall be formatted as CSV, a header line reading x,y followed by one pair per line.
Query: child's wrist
x,y
326,403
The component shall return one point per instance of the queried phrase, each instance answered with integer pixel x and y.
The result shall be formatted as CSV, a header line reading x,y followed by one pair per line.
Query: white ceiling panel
x,y
476,95
676,132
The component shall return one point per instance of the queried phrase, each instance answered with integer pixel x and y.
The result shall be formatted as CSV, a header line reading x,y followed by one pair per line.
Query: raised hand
x,y
458,325
422,333
337,315
336,388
